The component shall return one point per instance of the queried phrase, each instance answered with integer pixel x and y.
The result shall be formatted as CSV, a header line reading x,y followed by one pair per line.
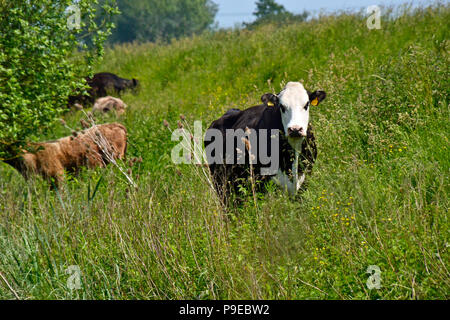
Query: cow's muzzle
x,y
296,132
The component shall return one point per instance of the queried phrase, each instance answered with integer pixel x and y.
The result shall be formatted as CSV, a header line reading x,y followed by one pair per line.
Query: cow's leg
x,y
298,181
295,167
102,92
55,177
284,182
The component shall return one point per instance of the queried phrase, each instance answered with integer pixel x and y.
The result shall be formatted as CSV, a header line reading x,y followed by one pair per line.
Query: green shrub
x,y
43,59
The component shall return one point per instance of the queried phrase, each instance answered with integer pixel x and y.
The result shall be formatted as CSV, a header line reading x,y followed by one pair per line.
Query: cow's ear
x,y
316,97
135,82
270,100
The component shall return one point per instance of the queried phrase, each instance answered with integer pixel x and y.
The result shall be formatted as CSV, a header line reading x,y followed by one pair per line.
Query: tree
x,y
46,49
150,20
267,8
269,11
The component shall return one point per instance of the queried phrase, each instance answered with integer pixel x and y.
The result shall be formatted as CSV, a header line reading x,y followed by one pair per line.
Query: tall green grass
x,y
378,194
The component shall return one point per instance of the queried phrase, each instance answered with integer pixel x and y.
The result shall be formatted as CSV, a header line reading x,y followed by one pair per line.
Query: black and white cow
x,y
280,126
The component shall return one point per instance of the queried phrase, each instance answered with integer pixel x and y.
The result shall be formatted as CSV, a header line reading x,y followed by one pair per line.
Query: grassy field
x,y
378,194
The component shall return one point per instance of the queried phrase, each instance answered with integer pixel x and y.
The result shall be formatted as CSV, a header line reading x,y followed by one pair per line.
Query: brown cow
x,y
93,147
108,104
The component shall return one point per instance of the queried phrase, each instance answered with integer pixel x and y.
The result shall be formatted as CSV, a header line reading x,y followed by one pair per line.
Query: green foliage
x,y
151,20
41,65
378,194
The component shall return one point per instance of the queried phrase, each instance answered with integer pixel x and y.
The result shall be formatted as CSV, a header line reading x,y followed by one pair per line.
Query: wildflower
x,y
165,123
84,124
248,146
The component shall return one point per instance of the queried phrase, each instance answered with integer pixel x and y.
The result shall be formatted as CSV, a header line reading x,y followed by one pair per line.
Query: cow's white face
x,y
294,101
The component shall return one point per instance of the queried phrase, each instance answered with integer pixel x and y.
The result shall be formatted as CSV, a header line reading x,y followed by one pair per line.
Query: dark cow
x,y
100,85
286,114
105,82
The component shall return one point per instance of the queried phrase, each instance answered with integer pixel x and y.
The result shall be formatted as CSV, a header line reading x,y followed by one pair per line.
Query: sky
x,y
232,12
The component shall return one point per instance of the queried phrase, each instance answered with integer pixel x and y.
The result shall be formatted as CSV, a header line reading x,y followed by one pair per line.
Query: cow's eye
x,y
283,108
307,106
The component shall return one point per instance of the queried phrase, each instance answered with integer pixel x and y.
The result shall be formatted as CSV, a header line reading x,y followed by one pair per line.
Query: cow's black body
x,y
100,85
227,177
105,82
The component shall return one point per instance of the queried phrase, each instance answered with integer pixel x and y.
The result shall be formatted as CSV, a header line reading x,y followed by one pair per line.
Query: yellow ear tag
x,y
315,102
270,104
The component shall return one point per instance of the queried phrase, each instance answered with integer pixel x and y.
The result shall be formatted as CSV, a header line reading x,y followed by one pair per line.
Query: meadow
x,y
378,194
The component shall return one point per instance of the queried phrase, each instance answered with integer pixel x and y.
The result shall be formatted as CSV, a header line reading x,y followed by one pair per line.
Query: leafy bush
x,y
43,57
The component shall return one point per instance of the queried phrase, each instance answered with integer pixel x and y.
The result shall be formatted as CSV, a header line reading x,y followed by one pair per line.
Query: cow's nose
x,y
296,132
